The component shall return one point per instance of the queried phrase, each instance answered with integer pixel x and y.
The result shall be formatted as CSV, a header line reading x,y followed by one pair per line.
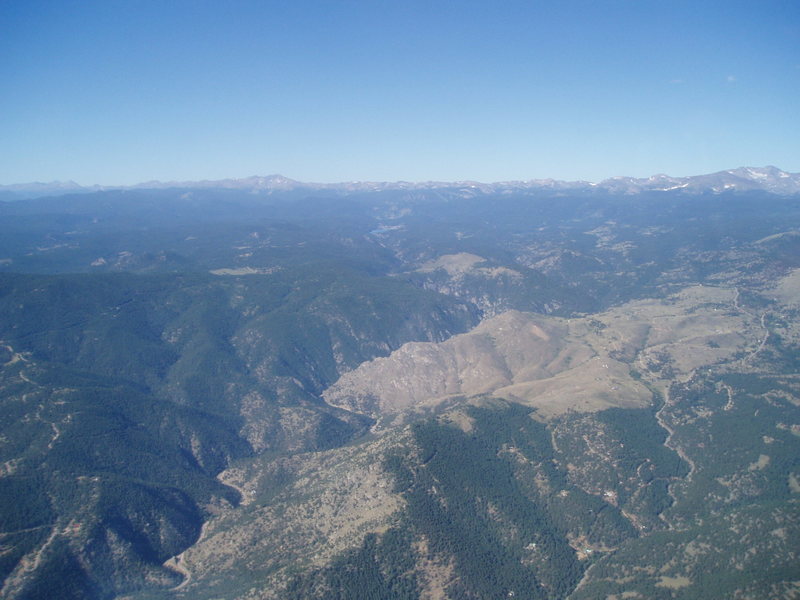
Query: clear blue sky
x,y
119,92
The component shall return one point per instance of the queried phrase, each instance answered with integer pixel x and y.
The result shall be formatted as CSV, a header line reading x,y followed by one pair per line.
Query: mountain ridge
x,y
768,178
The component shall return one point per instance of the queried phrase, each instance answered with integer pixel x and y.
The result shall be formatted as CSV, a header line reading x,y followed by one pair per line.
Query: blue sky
x,y
115,92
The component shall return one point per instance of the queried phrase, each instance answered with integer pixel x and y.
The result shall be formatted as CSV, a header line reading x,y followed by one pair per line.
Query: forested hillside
x,y
429,393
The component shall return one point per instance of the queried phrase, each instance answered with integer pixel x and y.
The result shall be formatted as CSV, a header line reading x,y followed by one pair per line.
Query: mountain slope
x,y
124,396
165,355
481,497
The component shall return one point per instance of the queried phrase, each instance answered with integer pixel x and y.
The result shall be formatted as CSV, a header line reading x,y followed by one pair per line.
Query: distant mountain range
x,y
769,179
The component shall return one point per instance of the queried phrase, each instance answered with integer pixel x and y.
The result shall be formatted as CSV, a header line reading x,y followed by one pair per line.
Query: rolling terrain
x,y
609,462
273,390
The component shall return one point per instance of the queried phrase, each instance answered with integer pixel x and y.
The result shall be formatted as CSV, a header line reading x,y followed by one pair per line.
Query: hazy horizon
x,y
367,181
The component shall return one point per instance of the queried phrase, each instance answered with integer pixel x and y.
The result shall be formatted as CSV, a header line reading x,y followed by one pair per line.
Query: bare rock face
x,y
490,357
556,365
523,357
